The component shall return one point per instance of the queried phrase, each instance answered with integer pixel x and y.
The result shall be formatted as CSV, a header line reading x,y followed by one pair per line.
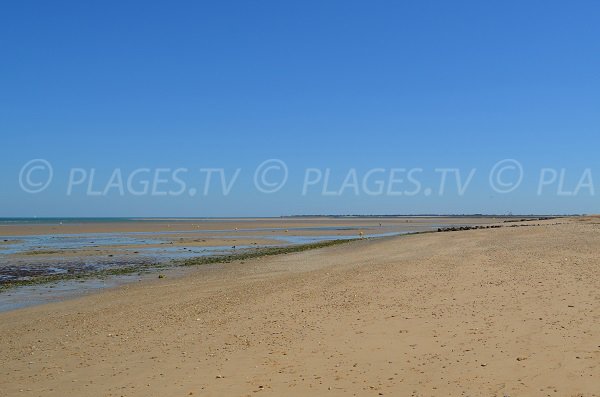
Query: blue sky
x,y
337,84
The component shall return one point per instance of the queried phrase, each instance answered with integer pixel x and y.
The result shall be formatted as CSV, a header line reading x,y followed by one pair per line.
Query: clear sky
x,y
325,84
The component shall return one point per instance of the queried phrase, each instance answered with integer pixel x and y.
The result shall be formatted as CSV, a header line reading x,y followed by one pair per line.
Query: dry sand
x,y
511,311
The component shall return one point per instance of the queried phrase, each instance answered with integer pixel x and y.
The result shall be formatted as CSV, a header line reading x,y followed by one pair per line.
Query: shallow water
x,y
19,244
24,257
70,241
15,265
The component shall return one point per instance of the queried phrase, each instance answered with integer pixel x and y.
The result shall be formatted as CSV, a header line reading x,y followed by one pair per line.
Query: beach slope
x,y
511,311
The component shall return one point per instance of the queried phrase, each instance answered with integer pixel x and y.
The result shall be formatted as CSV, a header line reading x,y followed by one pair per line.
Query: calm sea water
x,y
76,220
57,221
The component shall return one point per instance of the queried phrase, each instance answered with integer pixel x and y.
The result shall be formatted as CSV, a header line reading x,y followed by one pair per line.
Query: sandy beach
x,y
495,312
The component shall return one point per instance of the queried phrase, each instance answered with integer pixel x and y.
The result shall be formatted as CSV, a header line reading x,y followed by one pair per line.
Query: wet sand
x,y
129,249
78,247
494,312
154,225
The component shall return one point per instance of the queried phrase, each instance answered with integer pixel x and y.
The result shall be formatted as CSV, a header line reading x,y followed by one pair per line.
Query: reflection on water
x,y
31,295
20,244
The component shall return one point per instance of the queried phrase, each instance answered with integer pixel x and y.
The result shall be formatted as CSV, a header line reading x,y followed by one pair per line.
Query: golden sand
x,y
510,311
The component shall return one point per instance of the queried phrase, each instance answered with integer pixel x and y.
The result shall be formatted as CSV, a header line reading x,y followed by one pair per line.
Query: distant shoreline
x,y
4,221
